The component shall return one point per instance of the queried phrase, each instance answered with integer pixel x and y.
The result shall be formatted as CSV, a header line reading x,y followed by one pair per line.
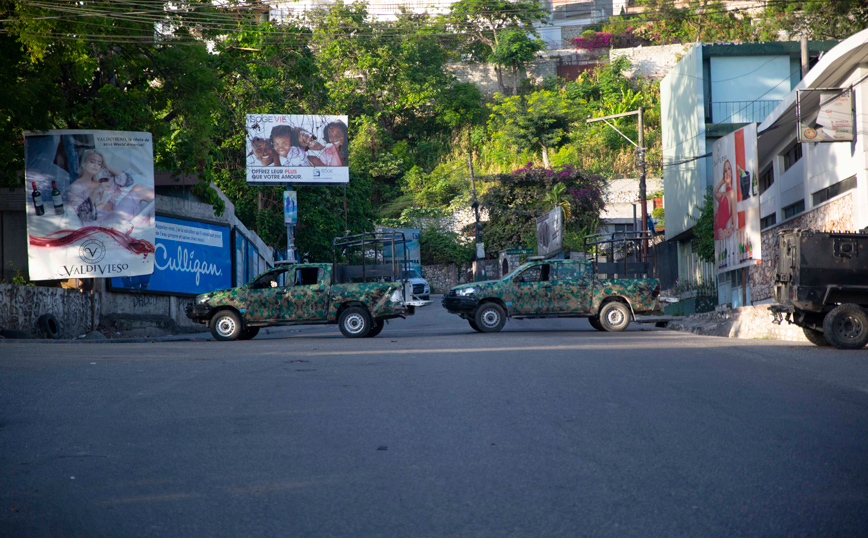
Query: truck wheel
x,y
249,333
355,322
614,317
225,325
474,326
377,328
595,323
489,317
846,327
815,337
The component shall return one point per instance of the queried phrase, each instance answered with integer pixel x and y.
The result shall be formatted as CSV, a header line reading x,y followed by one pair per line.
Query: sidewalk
x,y
749,323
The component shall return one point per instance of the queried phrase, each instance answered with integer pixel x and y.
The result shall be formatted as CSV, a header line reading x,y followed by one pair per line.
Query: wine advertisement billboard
x,y
90,204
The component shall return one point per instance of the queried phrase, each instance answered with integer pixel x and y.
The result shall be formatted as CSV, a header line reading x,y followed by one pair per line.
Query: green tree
x,y
704,229
539,122
478,25
96,68
815,19
516,199
514,50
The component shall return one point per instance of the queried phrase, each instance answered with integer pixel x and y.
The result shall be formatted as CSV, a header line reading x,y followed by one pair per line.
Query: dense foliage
x,y
190,73
516,199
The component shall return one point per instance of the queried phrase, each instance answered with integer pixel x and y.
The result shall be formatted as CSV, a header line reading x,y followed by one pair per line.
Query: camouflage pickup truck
x,y
358,298
554,288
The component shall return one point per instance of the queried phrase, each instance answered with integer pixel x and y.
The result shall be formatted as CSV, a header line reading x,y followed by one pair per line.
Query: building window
x,y
768,220
794,209
792,156
766,179
834,190
621,229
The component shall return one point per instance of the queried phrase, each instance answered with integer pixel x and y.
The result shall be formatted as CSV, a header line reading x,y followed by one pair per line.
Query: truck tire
x,y
614,316
474,326
48,326
355,322
377,328
595,323
489,317
846,327
815,337
225,326
249,333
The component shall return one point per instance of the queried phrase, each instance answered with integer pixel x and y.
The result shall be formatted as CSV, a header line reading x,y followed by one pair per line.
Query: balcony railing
x,y
738,111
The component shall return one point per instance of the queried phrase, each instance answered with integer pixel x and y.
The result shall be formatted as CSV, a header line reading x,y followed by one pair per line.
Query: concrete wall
x,y
682,105
651,62
21,307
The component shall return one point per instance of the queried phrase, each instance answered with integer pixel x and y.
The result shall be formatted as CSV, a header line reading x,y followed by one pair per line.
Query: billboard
x,y
190,258
411,244
90,204
284,149
736,200
832,119
550,233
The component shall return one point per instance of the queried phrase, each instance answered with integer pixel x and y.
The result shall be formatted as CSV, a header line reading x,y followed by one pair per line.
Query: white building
x,y
820,186
714,90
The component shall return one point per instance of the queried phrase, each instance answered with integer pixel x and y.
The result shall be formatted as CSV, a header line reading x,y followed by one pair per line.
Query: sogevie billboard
x,y
736,200
286,149
90,204
190,258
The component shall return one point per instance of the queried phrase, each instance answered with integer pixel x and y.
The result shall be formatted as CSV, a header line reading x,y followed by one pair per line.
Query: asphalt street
x,y
548,428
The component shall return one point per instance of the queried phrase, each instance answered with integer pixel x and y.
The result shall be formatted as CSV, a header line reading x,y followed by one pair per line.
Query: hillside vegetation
x,y
414,128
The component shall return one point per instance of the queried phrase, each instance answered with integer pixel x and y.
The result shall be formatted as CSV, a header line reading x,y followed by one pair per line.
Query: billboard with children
x,y
90,204
285,149
737,237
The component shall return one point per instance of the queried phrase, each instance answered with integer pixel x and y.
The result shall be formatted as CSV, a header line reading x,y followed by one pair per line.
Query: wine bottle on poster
x,y
37,200
57,198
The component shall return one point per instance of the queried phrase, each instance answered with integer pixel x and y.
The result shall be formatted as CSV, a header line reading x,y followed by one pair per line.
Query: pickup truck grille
x,y
418,288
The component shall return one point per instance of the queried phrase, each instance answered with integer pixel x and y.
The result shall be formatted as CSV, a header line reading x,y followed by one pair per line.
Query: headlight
x,y
202,299
464,292
396,296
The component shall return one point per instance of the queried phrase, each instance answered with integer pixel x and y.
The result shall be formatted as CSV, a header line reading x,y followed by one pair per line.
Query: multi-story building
x,y
712,91
813,185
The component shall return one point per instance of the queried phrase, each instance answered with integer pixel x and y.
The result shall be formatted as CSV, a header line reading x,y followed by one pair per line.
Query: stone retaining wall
x,y
834,216
443,277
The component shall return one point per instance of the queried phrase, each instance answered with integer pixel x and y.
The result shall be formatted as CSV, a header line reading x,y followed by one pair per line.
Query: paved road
x,y
548,428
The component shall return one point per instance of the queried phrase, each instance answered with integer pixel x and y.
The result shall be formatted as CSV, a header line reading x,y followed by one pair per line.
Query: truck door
x,y
571,287
532,291
262,301
306,293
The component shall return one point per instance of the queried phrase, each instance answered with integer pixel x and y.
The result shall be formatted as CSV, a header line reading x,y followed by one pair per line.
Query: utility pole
x,y
640,152
475,206
643,195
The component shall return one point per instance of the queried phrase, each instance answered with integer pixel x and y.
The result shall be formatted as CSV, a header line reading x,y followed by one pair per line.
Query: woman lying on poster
x,y
98,195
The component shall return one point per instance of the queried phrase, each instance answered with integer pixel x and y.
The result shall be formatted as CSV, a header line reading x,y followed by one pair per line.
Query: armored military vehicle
x,y
821,285
362,288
